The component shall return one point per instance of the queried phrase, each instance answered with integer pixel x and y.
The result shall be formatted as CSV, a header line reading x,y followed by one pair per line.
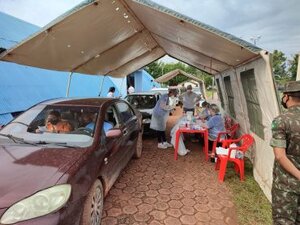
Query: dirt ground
x,y
156,189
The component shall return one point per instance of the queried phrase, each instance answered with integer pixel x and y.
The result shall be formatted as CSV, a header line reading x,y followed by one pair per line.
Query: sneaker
x,y
168,145
162,146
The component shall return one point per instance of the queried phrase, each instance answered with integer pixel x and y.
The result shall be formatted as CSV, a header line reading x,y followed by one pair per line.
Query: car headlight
x,y
146,121
39,204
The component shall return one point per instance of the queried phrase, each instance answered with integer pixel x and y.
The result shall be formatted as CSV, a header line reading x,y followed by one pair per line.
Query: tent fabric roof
x,y
23,86
168,76
118,37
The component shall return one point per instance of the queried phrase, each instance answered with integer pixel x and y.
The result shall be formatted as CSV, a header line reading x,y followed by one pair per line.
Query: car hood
x,y
27,169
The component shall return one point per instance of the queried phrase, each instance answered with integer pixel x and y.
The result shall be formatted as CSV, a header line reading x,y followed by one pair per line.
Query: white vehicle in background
x,y
145,103
197,90
173,101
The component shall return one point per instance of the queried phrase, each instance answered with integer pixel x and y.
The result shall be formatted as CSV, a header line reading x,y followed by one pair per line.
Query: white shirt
x,y
131,90
110,95
189,99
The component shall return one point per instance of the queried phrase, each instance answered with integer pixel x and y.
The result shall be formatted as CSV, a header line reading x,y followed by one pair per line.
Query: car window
x,y
125,111
43,123
111,116
142,101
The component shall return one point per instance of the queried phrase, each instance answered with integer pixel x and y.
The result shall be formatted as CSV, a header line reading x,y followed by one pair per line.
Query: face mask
x,y
284,103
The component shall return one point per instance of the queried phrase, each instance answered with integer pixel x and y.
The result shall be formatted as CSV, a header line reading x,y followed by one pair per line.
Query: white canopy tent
x,y
118,37
170,75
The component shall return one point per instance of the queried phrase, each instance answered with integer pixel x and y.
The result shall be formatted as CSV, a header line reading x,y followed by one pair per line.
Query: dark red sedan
x,y
60,158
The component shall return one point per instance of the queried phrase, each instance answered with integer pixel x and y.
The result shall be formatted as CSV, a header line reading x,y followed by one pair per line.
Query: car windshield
x,y
159,90
197,90
142,101
60,125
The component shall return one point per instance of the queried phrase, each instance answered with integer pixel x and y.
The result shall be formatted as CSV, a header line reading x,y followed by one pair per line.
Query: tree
x,y
293,64
154,69
279,65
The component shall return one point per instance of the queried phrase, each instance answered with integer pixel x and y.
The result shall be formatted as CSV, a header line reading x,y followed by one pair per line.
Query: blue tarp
x,y
143,81
23,86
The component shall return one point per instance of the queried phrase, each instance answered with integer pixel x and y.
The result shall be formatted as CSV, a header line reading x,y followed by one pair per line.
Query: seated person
x,y
198,109
54,124
215,124
88,120
107,126
204,114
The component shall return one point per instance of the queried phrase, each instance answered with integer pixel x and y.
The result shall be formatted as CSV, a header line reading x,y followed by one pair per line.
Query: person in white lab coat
x,y
160,116
131,89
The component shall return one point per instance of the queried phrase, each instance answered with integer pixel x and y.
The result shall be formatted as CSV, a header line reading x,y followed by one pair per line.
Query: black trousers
x,y
161,136
210,144
188,110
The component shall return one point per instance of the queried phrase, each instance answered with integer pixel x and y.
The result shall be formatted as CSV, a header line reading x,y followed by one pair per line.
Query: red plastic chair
x,y
246,141
229,133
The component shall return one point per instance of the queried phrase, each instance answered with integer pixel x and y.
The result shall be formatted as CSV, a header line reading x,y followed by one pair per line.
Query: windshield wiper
x,y
62,144
17,139
27,125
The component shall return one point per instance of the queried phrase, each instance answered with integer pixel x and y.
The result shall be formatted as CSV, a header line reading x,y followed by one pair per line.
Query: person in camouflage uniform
x,y
286,145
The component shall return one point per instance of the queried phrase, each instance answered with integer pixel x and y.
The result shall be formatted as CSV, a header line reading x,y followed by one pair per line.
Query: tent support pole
x,y
120,93
101,86
69,84
298,68
213,87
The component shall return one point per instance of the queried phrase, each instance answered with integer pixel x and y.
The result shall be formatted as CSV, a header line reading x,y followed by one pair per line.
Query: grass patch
x,y
252,206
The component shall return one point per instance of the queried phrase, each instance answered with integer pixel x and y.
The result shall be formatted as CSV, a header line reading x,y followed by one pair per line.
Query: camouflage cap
x,y
293,86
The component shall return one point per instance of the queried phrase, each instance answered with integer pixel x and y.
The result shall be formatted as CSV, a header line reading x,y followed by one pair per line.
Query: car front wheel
x,y
92,209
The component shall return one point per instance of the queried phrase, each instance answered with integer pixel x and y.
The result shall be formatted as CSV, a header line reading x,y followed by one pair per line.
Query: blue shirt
x,y
90,126
107,126
215,124
158,110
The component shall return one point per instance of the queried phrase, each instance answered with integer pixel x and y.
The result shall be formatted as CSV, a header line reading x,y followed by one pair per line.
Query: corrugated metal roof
x,y
14,30
5,118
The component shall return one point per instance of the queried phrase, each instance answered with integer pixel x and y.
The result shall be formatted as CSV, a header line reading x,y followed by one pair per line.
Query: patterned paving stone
x,y
158,215
175,204
204,217
187,219
172,221
158,190
161,205
145,208
130,209
150,200
141,217
109,221
188,210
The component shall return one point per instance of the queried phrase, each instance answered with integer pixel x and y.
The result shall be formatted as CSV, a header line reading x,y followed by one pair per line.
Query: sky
x,y
272,24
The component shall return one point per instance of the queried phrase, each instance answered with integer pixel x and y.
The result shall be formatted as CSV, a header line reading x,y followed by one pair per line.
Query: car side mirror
x,y
113,133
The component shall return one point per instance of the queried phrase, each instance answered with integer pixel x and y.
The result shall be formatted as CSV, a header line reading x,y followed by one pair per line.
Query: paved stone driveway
x,y
156,189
